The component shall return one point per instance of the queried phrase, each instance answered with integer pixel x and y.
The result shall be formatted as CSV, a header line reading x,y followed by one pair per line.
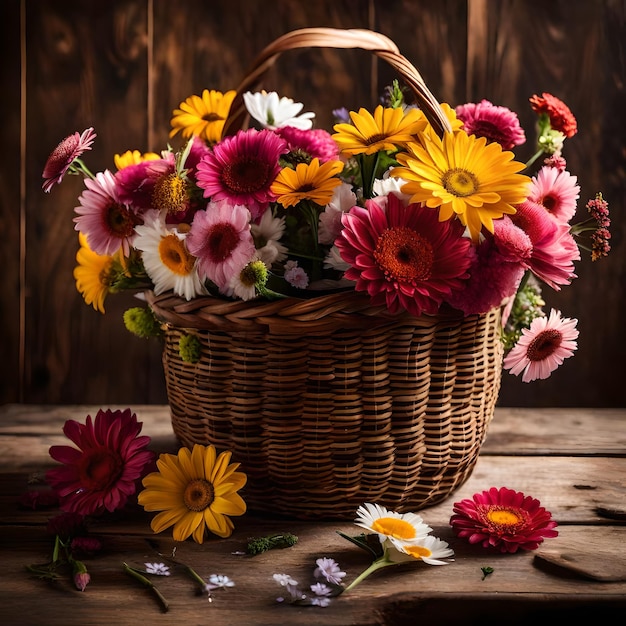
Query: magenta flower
x,y
403,257
241,169
104,469
316,143
557,191
108,223
542,347
503,520
221,239
63,156
554,248
494,123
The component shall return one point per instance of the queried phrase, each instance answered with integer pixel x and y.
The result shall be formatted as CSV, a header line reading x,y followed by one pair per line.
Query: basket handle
x,y
378,44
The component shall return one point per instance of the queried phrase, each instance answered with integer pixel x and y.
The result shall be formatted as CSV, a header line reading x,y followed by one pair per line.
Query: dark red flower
x,y
106,468
561,118
503,519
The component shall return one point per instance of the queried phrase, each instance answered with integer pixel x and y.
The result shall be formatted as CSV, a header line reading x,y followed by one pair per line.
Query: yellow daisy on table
x,y
132,157
93,274
386,129
465,177
309,181
203,116
194,490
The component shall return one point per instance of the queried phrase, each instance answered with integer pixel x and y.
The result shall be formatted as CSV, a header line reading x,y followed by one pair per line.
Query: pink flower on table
x,y
542,347
495,123
104,469
403,257
503,520
64,155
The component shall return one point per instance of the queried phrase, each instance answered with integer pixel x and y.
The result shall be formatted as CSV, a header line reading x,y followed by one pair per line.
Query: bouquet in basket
x,y
423,220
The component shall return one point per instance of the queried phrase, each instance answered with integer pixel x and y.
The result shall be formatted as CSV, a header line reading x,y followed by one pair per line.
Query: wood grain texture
x,y
124,65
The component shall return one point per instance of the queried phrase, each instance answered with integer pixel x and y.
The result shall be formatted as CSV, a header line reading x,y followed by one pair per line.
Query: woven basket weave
x,y
329,402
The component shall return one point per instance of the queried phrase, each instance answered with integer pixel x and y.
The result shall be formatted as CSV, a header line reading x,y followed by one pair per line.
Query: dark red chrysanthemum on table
x,y
106,467
503,519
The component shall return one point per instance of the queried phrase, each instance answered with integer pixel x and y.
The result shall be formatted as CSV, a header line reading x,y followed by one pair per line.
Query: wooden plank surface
x,y
577,572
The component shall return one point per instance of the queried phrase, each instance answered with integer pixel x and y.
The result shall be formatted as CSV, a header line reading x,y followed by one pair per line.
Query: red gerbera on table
x,y
107,467
503,519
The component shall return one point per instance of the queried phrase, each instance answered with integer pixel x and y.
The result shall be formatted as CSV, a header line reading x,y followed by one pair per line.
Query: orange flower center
x,y
544,344
460,182
170,194
404,255
199,494
504,520
174,255
394,527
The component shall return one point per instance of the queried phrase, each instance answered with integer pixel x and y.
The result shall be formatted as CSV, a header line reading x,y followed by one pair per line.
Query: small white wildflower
x,y
218,580
284,580
159,569
320,589
297,277
328,569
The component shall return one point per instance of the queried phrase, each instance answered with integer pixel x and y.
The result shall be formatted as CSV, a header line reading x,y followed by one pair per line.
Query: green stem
x,y
79,167
376,565
146,583
533,158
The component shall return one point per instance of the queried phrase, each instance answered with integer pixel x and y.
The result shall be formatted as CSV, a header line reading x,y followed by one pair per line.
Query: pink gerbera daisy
x,y
542,347
221,238
554,248
64,155
315,144
557,191
241,169
404,257
503,520
495,123
108,223
105,468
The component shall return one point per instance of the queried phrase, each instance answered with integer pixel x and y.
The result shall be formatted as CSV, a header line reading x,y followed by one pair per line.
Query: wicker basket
x,y
329,402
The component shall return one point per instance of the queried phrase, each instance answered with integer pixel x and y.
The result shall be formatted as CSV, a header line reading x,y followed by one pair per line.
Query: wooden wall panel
x,y
122,66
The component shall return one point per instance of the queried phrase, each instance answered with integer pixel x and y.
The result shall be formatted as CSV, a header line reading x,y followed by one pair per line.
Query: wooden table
x,y
572,460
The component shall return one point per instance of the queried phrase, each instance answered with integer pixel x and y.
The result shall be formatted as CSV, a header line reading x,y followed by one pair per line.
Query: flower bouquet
x,y
335,307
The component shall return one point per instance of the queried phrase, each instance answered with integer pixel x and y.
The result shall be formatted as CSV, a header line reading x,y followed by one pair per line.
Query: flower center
x,y
549,202
174,255
212,117
221,241
120,220
170,194
404,255
504,520
394,527
99,469
199,494
544,344
460,182
375,139
418,551
246,175
254,273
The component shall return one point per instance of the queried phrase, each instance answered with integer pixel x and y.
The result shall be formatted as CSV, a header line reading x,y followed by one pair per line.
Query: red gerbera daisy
x,y
503,520
64,155
241,169
561,118
106,468
404,257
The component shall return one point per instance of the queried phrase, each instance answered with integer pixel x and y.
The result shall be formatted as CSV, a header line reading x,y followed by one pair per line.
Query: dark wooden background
x,y
123,65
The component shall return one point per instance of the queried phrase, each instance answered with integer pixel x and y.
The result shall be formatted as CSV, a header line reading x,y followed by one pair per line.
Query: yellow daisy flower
x,y
132,157
309,181
387,129
203,116
92,274
195,490
465,177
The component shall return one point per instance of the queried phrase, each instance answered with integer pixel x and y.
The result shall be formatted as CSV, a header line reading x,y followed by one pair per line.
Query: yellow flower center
x,y
503,517
404,255
174,255
460,182
394,527
199,494
170,194
544,344
418,551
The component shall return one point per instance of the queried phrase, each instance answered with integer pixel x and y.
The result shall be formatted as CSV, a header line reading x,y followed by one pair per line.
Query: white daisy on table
x,y
273,112
430,549
166,258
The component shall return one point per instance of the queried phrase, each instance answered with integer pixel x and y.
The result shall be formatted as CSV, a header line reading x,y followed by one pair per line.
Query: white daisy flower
x,y
330,219
166,259
273,112
429,549
333,260
386,185
397,528
267,234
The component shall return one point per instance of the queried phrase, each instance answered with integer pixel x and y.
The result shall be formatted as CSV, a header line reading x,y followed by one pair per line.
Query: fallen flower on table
x,y
195,492
503,520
